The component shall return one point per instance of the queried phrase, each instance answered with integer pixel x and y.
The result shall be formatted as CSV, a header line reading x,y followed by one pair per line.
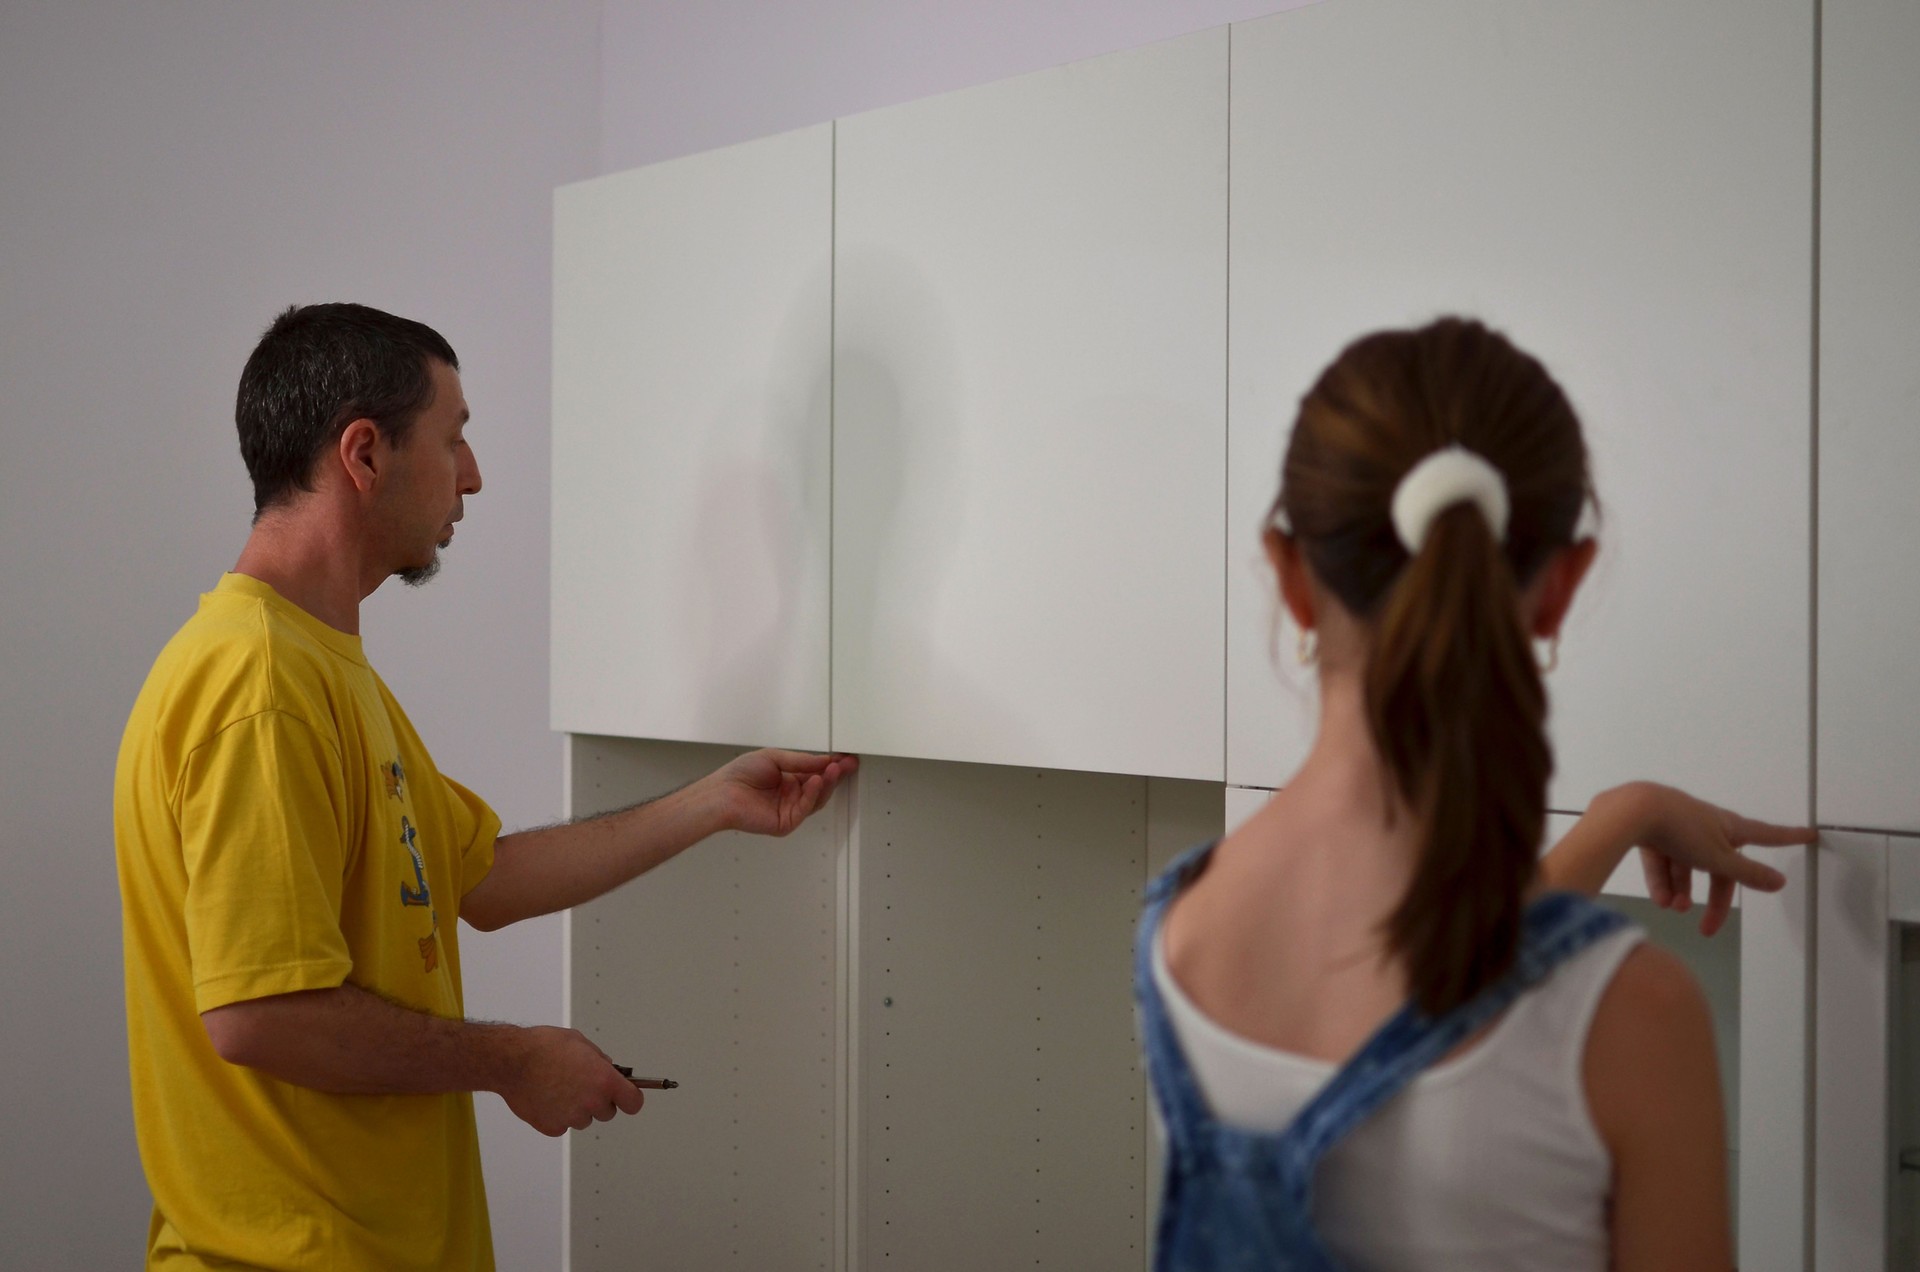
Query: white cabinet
x,y
1626,189
691,447
1869,607
1029,428
1867,1102
1242,802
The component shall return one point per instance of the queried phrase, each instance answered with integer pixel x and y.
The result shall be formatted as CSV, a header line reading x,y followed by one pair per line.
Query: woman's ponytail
x,y
1458,713
1454,700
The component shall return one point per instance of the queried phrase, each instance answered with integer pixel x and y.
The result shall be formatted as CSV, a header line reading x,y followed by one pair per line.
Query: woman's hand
x,y
1676,835
1679,834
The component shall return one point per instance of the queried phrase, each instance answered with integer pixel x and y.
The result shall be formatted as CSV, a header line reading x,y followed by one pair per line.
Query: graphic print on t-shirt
x,y
418,895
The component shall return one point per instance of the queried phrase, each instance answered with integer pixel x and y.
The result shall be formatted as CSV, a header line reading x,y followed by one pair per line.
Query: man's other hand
x,y
563,1081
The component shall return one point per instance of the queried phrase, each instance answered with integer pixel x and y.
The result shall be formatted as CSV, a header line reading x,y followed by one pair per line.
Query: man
x,y
292,863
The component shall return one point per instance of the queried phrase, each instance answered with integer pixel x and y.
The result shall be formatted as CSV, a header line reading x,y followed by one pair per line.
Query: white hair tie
x,y
1449,476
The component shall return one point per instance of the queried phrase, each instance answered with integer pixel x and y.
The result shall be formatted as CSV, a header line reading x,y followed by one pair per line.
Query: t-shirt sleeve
x,y
265,835
475,828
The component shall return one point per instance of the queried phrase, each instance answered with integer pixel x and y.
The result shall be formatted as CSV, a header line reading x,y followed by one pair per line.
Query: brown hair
x,y
1454,699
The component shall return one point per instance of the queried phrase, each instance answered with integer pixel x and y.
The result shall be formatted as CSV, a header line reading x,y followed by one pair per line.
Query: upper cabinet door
x,y
692,447
1626,190
1029,419
1870,415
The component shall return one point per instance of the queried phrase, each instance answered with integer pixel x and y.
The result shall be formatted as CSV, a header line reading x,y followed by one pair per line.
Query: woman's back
x,y
1490,1161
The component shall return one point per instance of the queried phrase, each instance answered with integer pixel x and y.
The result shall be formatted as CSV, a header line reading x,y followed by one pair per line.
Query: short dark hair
x,y
316,370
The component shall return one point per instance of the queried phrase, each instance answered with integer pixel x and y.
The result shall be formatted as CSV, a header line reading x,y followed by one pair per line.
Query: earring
x,y
1309,651
1553,656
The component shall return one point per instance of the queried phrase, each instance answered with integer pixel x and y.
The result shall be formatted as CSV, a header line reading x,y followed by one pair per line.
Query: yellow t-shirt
x,y
279,827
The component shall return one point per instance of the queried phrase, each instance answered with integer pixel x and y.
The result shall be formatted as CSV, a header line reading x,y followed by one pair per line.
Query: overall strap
x,y
1174,1087
1555,928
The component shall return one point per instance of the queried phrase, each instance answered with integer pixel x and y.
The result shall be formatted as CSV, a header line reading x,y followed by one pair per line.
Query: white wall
x,y
170,176
683,77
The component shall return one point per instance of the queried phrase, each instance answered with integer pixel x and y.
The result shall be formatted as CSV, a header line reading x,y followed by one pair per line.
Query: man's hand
x,y
772,792
540,871
563,1081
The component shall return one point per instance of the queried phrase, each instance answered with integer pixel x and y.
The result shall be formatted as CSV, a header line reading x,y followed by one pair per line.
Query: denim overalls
x,y
1236,1199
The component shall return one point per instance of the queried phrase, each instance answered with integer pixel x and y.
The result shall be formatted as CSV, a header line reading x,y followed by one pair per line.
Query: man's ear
x,y
1559,579
361,454
1296,584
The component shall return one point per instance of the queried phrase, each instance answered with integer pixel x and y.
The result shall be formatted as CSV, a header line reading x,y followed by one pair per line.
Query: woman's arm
x,y
1653,1088
1676,835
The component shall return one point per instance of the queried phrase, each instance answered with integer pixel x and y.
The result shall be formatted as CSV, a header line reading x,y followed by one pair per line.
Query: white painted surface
x,y
692,442
1853,1159
1243,802
1632,205
1903,879
1029,438
1869,415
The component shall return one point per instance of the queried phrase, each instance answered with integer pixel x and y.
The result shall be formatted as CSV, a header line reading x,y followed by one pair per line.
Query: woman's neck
x,y
1344,775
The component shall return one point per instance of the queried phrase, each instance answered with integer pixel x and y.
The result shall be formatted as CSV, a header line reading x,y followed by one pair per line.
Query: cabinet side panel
x,y
1852,1162
1776,1051
716,969
1001,1100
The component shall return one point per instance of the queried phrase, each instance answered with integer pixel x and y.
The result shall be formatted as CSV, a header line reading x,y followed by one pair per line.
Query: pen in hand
x,y
648,1084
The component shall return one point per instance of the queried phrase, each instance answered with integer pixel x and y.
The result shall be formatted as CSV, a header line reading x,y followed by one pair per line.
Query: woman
x,y
1378,1037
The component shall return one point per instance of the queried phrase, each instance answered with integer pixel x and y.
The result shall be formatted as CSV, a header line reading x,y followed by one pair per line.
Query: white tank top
x,y
1486,1163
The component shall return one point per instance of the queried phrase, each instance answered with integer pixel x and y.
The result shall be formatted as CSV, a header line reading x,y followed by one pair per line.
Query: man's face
x,y
432,473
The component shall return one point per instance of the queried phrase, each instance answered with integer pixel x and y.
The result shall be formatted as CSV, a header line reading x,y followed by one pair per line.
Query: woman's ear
x,y
1296,583
1559,580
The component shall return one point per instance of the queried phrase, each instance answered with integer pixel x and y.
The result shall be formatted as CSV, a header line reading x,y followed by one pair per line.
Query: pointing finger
x,y
1767,835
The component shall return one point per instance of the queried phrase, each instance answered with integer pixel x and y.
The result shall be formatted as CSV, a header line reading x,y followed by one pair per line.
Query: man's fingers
x,y
800,761
631,1099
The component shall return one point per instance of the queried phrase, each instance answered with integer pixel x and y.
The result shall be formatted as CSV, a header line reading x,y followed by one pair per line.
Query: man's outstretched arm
x,y
348,1041
540,871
